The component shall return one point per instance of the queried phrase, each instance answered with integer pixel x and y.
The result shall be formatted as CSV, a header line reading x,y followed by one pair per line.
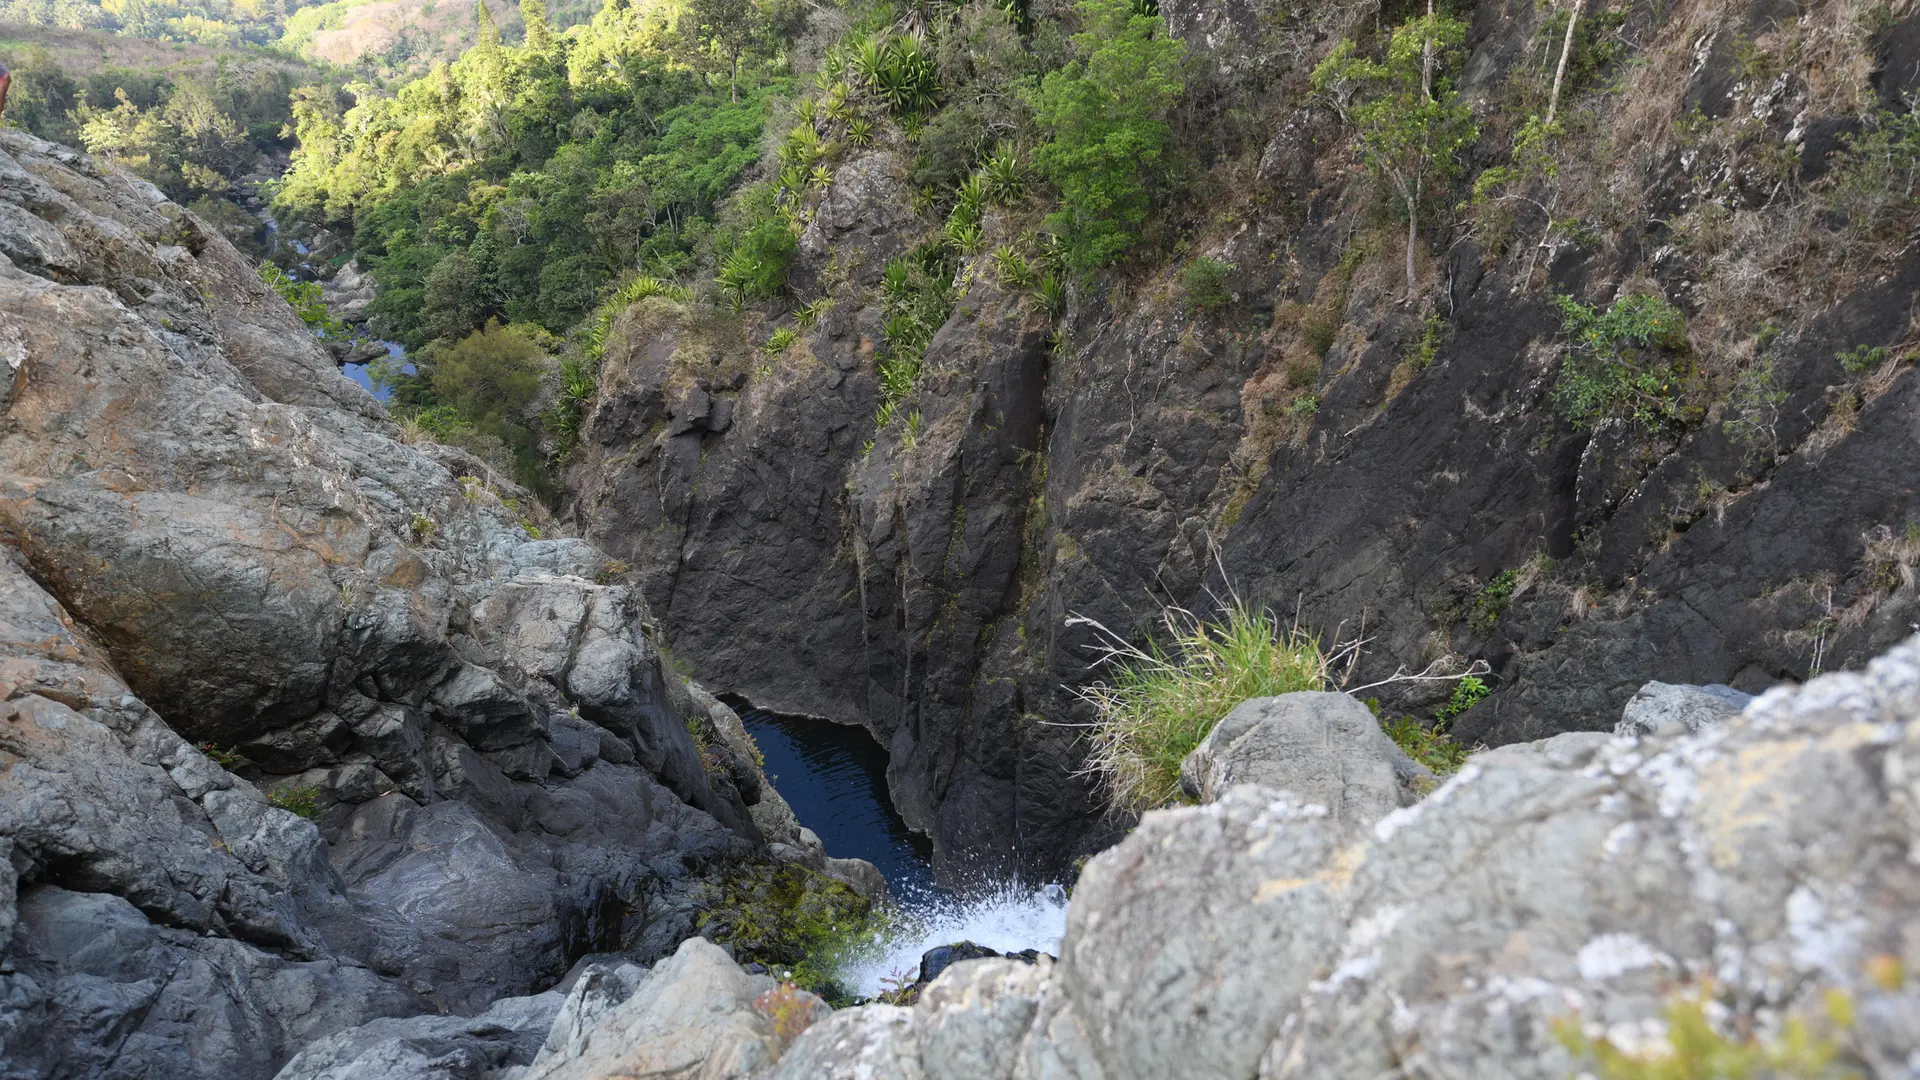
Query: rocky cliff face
x,y
218,550
1388,469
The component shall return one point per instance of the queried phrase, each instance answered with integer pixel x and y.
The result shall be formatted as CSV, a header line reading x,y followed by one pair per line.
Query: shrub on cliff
x,y
1622,363
1105,118
757,266
1164,698
1412,125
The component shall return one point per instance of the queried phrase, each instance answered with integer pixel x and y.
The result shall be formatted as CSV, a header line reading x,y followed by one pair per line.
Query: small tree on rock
x,y
1105,118
1411,122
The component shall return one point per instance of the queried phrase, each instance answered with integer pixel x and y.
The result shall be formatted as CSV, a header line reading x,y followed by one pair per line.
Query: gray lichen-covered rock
x,y
1584,880
1671,709
969,1022
598,991
1325,747
696,1015
865,218
856,1044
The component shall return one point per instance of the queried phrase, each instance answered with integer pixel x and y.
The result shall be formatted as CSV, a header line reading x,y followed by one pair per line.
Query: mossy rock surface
x,y
799,923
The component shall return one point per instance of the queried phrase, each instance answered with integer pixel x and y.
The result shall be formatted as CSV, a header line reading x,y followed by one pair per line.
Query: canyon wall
x,y
1378,468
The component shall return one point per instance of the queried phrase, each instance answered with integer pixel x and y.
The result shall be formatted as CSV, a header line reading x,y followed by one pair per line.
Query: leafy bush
x,y
1493,601
917,296
578,385
1754,409
1622,363
1861,359
1467,693
1104,117
440,423
1164,698
491,376
1875,179
950,145
1204,283
759,262
1430,746
1321,330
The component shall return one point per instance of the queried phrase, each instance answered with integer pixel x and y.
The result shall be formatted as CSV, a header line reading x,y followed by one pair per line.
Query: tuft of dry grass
x,y
1893,556
1165,697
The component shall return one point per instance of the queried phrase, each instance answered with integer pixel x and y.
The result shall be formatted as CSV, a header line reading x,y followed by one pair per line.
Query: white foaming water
x,y
1013,919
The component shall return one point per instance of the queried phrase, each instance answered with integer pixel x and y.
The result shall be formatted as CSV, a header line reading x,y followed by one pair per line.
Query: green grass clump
x,y
780,341
1165,698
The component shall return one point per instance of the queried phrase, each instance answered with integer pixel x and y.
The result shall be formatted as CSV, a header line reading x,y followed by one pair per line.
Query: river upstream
x,y
834,777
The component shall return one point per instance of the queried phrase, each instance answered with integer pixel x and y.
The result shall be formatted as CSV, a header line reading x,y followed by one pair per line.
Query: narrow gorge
x,y
760,540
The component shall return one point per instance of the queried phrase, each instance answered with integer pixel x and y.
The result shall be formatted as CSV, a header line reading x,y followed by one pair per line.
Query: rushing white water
x,y
1012,919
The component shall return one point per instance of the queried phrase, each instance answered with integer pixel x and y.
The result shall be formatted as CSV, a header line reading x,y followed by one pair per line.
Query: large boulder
x,y
969,1023
1671,709
865,217
696,1015
92,987
1326,748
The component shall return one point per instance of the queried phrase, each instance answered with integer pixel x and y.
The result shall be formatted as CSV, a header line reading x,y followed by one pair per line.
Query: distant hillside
x,y
84,52
400,32
409,34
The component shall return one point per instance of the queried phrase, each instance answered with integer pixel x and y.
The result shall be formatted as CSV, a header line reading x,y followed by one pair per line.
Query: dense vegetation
x,y
520,181
529,185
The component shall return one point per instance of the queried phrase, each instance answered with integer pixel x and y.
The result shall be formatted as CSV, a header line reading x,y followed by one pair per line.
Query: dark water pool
x,y
835,778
